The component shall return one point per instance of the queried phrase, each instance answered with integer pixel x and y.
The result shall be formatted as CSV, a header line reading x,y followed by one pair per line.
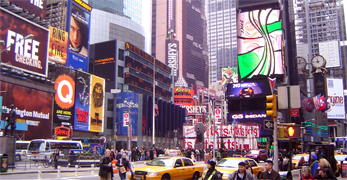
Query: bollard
x,y
39,173
92,169
76,171
58,175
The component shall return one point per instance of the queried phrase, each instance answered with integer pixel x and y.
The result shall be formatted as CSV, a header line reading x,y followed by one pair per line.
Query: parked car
x,y
258,155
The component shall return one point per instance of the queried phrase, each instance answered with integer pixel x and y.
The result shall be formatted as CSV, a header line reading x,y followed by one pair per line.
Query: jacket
x,y
104,168
273,175
233,176
125,163
216,175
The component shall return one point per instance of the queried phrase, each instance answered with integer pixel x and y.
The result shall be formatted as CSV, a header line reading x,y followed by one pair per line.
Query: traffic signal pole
x,y
272,106
289,121
276,153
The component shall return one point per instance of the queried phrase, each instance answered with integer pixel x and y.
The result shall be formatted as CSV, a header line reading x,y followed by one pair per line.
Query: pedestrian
x,y
212,173
106,171
319,154
322,164
143,154
326,173
193,157
241,173
123,165
133,155
151,154
55,158
218,156
118,155
249,169
72,157
269,172
306,173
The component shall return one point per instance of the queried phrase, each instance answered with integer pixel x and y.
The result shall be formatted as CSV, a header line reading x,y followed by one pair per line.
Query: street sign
x,y
125,119
294,112
268,124
218,113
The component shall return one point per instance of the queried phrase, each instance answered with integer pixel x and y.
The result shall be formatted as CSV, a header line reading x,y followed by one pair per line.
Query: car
x,y
169,168
258,155
228,165
246,93
296,159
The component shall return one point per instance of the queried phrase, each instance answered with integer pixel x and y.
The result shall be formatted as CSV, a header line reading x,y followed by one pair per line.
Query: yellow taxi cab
x,y
168,168
231,164
296,159
339,158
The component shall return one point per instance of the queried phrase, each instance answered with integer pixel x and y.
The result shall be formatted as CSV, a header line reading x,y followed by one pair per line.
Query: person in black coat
x,y
123,164
133,155
106,171
269,173
151,155
212,173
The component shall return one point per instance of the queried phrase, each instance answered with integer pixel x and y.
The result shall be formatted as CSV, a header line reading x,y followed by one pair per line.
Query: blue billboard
x,y
78,25
82,101
127,101
251,118
254,89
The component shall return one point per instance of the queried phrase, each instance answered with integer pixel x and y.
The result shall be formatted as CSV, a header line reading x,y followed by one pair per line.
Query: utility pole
x,y
153,101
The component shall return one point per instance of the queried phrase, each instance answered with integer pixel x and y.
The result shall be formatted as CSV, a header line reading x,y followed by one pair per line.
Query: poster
x,y
58,42
97,97
82,101
336,99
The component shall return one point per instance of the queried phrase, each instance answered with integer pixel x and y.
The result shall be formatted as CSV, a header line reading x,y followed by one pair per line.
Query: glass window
x,y
187,162
22,146
179,162
110,104
252,163
109,123
121,54
120,71
120,86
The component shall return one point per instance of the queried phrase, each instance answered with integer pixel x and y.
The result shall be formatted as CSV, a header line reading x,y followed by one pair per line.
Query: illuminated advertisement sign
x,y
259,43
62,132
336,99
172,58
38,7
97,104
36,115
127,101
179,89
195,109
255,118
64,99
78,24
82,101
105,60
259,88
27,55
57,45
229,75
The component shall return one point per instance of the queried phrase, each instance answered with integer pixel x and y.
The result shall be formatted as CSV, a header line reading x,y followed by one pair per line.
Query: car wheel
x,y
196,176
165,177
17,158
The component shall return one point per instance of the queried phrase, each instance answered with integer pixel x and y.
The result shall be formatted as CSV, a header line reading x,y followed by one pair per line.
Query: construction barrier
x,y
115,169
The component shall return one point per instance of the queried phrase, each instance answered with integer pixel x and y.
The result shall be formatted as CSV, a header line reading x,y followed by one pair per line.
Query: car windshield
x,y
253,152
36,146
298,157
232,163
340,158
165,162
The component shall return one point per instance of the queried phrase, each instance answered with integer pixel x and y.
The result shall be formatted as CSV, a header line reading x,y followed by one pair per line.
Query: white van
x,y
21,149
47,146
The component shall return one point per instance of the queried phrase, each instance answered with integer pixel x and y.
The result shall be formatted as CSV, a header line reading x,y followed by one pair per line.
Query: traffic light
x,y
206,118
271,106
293,131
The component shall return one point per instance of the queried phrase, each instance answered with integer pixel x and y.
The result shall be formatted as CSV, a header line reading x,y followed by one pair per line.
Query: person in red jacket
x,y
306,173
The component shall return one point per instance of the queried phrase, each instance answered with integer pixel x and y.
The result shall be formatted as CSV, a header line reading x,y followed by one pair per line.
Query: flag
x,y
306,104
316,102
322,104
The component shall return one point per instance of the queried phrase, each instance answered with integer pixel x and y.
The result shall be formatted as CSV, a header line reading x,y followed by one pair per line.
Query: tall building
x,y
222,36
179,30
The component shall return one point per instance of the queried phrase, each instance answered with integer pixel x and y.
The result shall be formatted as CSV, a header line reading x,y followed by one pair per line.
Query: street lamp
x,y
2,43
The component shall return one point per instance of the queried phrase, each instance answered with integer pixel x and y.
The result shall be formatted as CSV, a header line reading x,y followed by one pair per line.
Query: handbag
x,y
122,170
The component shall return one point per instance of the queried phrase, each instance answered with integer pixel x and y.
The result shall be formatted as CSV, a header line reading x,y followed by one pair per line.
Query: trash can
x,y
3,162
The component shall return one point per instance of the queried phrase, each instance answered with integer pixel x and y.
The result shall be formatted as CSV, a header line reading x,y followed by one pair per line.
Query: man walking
x,y
123,165
106,171
269,172
241,173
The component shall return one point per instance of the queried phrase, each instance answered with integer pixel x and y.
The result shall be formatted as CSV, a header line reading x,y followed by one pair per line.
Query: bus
x,y
21,149
47,146
94,146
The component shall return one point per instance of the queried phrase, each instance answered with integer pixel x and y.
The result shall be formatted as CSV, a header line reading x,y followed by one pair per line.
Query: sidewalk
x,y
34,169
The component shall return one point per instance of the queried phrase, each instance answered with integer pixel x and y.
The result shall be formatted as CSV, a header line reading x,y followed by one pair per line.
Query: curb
x,y
47,171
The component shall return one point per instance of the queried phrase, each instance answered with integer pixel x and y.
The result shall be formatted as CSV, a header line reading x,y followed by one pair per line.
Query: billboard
x,y
37,7
57,45
259,88
78,25
105,60
336,99
259,43
254,118
64,99
97,103
28,55
330,50
126,101
36,115
172,56
229,75
82,101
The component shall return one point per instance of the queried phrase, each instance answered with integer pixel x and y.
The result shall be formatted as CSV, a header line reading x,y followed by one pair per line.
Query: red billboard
x,y
27,55
38,7
32,106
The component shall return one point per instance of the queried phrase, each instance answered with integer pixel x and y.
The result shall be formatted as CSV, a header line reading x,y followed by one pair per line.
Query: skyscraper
x,y
222,36
179,38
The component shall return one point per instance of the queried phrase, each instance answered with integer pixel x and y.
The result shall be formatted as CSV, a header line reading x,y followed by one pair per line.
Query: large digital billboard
x,y
78,25
58,42
38,116
28,55
255,89
82,101
259,40
105,60
64,99
127,101
336,99
255,118
97,102
38,7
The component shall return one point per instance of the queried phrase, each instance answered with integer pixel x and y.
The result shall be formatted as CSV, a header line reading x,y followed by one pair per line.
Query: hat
x,y
211,162
242,164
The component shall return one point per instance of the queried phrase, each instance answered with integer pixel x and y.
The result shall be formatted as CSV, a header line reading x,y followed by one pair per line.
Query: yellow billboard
x,y
97,101
57,45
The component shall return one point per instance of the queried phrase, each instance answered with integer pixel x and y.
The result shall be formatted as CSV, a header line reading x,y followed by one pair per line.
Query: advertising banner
x,y
259,40
97,103
229,75
255,118
28,55
105,60
57,45
37,7
78,24
127,101
82,101
336,99
64,99
259,88
36,115
172,56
